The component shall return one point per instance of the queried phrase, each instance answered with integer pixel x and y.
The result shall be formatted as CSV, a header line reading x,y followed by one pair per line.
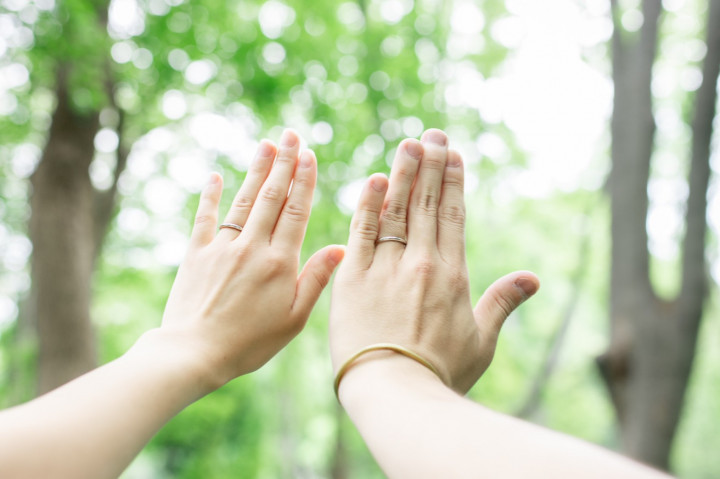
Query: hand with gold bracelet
x,y
406,344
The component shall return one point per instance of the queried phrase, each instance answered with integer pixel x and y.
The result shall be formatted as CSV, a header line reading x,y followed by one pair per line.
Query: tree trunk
x,y
67,226
61,230
652,343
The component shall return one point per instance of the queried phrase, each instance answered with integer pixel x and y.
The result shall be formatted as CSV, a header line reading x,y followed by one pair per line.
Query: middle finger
x,y
425,198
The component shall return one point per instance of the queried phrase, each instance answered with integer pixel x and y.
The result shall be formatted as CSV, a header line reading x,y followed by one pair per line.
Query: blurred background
x,y
586,127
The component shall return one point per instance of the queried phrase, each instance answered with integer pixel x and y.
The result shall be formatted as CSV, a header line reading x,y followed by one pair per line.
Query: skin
x,y
415,423
236,301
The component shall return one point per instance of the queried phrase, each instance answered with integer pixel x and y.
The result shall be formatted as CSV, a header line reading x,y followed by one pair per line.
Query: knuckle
x,y
272,194
261,165
427,203
242,203
283,159
505,305
202,219
295,212
396,212
434,162
454,181
365,229
302,178
453,214
276,263
406,175
425,267
458,280
321,279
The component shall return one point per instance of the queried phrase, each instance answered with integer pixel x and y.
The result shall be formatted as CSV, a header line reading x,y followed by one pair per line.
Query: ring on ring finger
x,y
396,239
232,226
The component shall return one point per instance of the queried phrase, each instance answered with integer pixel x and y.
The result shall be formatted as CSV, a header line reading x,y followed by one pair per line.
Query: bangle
x,y
379,347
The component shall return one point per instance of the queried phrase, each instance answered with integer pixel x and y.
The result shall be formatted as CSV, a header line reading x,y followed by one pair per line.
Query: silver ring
x,y
391,238
231,225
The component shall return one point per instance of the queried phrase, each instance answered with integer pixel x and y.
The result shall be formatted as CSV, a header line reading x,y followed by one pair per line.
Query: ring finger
x,y
246,195
393,220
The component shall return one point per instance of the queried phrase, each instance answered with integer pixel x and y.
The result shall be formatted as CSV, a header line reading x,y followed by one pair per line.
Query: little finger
x,y
207,213
451,213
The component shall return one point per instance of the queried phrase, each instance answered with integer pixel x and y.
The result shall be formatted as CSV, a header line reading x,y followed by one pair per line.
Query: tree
x,y
69,215
337,68
649,359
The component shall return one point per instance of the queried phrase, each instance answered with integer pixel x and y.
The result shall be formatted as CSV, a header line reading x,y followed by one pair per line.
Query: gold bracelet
x,y
379,347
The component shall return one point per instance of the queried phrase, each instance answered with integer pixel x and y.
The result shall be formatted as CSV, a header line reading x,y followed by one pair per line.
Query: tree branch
x,y
105,200
633,130
694,276
553,352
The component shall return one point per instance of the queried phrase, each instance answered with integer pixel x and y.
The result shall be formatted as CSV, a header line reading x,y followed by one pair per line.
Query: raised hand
x,y
238,299
405,280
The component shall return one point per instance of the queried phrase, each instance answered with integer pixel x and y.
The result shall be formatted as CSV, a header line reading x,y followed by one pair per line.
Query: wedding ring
x,y
231,225
391,238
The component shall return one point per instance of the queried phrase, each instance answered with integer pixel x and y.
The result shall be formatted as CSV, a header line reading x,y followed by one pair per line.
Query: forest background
x,y
113,114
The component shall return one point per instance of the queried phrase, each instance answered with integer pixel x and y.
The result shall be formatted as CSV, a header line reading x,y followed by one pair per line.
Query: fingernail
x,y
265,149
435,136
306,159
414,149
378,184
214,179
288,138
526,286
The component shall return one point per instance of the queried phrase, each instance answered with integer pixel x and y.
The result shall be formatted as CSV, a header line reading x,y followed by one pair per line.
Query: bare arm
x,y
417,427
236,301
415,423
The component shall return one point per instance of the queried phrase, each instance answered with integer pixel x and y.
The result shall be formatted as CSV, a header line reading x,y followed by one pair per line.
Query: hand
x,y
417,295
237,298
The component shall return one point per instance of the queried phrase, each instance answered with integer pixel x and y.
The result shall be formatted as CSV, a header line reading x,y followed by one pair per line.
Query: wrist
x,y
379,374
179,358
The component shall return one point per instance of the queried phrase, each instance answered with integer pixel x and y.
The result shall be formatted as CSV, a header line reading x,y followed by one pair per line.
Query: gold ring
x,y
231,225
391,238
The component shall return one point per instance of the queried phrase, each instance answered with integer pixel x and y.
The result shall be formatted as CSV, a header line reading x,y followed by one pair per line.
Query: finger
x,y
425,198
207,213
313,278
248,192
290,229
274,191
365,223
502,298
451,212
393,221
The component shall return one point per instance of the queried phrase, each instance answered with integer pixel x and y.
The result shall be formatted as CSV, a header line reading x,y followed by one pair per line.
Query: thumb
x,y
502,298
313,278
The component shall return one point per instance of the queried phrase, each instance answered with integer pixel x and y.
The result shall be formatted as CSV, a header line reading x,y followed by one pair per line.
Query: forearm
x,y
416,427
95,425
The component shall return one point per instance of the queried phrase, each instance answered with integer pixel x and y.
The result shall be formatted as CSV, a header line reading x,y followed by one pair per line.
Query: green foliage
x,y
373,81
